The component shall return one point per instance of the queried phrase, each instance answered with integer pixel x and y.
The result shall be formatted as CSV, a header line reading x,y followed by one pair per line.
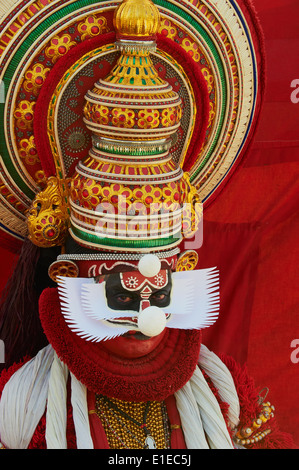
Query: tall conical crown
x,y
129,194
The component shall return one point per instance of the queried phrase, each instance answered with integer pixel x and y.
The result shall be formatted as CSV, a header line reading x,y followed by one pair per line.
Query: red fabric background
x,y
251,231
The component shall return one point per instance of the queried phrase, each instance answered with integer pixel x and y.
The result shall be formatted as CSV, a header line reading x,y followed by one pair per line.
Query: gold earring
x,y
187,261
63,268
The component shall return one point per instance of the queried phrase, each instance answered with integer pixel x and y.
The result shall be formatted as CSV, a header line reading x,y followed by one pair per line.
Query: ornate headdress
x,y
129,194
118,121
169,100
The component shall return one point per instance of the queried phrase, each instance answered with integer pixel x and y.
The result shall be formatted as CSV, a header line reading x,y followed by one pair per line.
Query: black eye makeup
x,y
160,298
123,298
119,298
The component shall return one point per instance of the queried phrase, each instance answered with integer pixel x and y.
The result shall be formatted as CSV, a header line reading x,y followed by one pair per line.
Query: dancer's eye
x,y
158,297
123,298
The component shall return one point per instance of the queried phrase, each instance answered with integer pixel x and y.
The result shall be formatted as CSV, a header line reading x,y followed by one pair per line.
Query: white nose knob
x,y
149,265
151,321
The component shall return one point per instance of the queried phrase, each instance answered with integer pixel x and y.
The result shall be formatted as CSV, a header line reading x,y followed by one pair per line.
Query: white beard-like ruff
x,y
194,304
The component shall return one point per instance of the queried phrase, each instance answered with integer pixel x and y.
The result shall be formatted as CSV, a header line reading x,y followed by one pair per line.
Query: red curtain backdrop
x,y
251,231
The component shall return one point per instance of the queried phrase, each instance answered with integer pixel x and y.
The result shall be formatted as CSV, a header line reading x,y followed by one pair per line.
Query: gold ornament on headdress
x,y
187,261
65,268
48,218
135,18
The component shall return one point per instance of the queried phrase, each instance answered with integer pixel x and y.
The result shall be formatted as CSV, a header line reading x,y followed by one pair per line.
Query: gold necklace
x,y
131,425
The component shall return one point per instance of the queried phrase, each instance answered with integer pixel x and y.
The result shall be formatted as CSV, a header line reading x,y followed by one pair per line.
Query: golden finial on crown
x,y
136,18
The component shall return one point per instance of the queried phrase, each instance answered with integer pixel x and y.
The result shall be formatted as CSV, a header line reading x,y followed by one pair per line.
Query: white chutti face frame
x,y
194,304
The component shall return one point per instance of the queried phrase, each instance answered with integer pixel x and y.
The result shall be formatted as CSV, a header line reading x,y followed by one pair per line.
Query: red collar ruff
x,y
155,376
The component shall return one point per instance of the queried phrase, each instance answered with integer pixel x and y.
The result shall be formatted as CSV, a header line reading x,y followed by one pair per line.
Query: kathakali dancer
x,y
118,121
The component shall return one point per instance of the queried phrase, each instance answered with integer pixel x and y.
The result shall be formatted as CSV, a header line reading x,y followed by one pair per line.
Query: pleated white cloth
x,y
41,385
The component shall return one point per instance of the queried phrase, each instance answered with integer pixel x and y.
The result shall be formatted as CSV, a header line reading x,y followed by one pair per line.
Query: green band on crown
x,y
119,243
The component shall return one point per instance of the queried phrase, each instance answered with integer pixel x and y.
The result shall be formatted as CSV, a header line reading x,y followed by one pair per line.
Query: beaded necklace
x,y
134,425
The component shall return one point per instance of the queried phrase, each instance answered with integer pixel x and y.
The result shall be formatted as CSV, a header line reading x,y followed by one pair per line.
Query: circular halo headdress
x,y
120,119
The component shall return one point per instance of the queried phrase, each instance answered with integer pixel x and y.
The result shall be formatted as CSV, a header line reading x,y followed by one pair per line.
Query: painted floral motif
x,y
159,280
167,29
28,152
100,114
59,47
171,116
92,26
24,114
192,49
123,117
148,118
35,78
40,178
132,282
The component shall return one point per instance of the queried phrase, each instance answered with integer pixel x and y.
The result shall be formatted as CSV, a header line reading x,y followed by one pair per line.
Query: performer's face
x,y
141,293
